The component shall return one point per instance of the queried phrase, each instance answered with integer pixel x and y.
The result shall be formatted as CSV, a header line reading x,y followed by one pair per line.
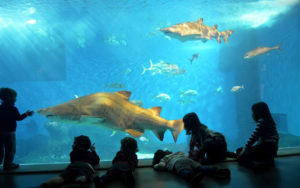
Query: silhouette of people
x,y
83,158
262,146
9,114
182,165
206,146
123,166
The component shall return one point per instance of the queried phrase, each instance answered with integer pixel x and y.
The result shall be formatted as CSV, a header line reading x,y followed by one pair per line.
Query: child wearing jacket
x,y
9,114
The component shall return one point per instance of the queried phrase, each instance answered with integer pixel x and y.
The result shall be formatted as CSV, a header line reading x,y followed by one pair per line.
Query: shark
x,y
113,110
260,50
196,31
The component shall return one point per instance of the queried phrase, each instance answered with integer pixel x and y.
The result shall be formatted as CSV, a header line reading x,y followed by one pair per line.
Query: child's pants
x,y
7,147
119,172
265,151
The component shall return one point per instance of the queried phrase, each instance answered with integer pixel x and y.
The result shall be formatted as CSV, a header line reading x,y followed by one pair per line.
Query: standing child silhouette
x,y
9,114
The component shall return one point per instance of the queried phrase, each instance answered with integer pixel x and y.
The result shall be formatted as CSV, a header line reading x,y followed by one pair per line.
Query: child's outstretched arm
x,y
20,117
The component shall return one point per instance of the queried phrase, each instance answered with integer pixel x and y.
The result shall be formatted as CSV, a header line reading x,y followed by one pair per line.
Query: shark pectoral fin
x,y
159,134
124,94
134,132
155,110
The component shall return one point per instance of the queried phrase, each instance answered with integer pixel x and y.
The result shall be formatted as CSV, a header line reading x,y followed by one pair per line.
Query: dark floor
x,y
286,174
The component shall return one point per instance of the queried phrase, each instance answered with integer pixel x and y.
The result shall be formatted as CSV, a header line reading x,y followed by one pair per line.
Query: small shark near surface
x,y
196,31
114,111
260,50
194,58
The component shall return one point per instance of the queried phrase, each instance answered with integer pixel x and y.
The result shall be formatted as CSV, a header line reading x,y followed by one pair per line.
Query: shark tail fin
x,y
277,47
144,69
176,127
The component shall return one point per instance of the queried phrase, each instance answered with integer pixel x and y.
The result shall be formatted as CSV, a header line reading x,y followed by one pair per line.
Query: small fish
x,y
143,139
194,58
112,40
168,37
188,93
116,85
162,97
219,89
32,21
76,96
127,71
163,67
260,50
237,88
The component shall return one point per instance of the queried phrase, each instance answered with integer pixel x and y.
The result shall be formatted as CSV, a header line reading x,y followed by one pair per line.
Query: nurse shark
x,y
114,111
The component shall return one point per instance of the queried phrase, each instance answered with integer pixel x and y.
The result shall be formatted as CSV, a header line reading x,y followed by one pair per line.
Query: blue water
x,y
53,51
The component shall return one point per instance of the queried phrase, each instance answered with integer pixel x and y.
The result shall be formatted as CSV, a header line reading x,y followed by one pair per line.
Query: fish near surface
x,y
260,50
196,31
237,88
188,93
114,111
162,97
164,68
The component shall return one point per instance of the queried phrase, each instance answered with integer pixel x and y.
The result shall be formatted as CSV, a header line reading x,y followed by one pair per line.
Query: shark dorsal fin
x,y
156,110
159,134
124,94
134,133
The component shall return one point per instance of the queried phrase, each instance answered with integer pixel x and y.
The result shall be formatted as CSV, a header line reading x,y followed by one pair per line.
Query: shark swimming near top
x,y
196,31
114,111
260,50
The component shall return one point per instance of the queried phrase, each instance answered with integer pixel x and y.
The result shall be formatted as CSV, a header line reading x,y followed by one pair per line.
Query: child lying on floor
x,y
185,167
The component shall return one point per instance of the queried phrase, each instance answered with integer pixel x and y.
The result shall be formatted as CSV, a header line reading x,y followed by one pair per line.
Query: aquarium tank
x,y
115,68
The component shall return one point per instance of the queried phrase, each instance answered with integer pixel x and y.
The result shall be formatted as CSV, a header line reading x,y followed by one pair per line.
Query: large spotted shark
x,y
196,31
114,111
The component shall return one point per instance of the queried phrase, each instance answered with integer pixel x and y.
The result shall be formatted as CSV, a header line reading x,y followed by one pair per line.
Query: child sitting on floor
x,y
262,146
124,164
206,146
82,164
185,167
